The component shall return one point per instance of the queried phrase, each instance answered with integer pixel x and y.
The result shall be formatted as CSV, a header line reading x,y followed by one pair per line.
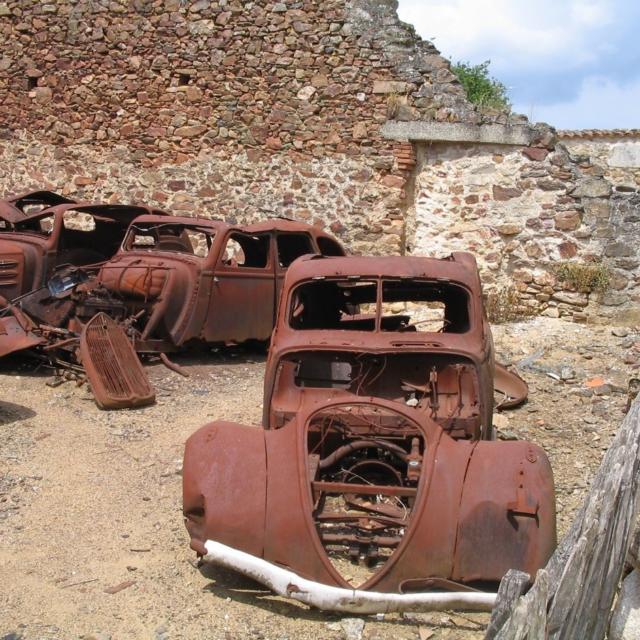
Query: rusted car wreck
x,y
376,482
42,231
173,283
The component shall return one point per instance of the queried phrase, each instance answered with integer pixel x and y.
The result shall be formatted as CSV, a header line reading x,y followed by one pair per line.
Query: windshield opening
x,y
403,305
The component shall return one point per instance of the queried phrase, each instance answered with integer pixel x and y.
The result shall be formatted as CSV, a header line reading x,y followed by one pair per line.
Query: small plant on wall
x,y
584,277
503,304
480,87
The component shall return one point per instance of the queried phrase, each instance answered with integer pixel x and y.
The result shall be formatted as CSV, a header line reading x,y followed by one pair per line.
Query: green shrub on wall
x,y
480,87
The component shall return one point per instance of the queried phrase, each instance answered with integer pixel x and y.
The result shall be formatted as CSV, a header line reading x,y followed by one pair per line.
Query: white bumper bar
x,y
290,585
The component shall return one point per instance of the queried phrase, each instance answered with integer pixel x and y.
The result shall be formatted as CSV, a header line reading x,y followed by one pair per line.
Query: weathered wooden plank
x,y
579,583
529,618
512,586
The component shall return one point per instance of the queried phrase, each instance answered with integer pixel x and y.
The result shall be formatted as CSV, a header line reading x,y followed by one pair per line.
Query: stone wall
x,y
239,110
619,155
221,107
525,211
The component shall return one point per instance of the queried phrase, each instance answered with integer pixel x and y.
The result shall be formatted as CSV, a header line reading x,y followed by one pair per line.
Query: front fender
x,y
224,487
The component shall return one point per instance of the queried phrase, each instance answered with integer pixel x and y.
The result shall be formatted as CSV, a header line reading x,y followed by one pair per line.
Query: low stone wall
x,y
525,212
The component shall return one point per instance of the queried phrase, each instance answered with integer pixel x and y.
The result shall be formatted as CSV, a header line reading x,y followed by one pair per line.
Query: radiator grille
x,y
113,368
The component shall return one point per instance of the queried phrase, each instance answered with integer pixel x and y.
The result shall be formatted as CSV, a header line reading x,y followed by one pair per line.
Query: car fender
x,y
224,486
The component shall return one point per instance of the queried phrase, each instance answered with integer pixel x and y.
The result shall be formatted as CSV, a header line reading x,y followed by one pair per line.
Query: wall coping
x,y
420,130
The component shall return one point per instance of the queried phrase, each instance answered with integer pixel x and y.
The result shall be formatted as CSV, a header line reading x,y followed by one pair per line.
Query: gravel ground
x,y
90,501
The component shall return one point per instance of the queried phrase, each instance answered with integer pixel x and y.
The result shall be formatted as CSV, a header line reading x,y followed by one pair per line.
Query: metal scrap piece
x,y
117,377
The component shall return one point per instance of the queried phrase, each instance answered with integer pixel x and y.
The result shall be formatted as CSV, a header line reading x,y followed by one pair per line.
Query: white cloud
x,y
515,34
600,104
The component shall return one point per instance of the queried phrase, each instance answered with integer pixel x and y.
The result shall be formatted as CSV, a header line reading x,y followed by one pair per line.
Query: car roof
x,y
271,224
119,212
12,209
459,267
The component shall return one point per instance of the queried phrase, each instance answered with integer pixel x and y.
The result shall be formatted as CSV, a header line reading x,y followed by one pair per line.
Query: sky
x,y
572,63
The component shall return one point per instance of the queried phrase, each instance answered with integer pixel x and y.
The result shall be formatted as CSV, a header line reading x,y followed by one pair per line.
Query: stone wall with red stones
x,y
221,107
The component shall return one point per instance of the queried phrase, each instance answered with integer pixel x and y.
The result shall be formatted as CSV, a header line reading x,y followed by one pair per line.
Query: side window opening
x,y
78,221
244,251
292,246
173,238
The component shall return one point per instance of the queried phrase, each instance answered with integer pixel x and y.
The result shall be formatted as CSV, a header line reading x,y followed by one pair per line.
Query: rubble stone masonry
x,y
222,108
526,210
239,110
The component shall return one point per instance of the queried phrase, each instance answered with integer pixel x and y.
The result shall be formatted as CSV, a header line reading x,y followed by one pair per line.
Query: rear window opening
x,y
292,246
401,305
329,247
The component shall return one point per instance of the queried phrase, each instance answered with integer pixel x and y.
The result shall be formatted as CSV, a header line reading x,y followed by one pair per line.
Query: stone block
x,y
505,193
567,220
42,95
567,249
390,86
535,153
572,298
598,208
619,249
509,228
190,131
591,188
614,298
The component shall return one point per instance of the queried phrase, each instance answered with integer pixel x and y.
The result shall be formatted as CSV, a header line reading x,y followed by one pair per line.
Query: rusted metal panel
x,y
514,389
15,337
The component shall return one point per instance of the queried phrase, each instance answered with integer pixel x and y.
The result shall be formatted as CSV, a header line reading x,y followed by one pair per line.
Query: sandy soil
x,y
91,500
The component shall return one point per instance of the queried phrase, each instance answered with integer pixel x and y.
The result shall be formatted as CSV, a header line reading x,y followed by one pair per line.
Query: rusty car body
x,y
377,462
181,281
174,282
41,231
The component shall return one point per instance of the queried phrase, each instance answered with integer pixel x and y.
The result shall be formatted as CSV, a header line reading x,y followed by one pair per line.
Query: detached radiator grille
x,y
113,368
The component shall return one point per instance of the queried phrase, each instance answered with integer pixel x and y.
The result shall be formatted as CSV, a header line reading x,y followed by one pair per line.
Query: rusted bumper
x,y
290,585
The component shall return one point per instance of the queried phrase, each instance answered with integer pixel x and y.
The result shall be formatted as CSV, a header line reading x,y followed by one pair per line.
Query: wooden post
x,y
572,597
512,586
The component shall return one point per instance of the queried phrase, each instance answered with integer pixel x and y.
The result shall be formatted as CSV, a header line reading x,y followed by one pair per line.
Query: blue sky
x,y
572,63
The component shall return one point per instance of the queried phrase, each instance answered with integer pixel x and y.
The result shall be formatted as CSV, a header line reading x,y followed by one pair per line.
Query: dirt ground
x,y
91,500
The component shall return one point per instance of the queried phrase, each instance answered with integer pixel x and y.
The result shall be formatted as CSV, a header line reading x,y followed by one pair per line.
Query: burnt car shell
x,y
352,484
33,245
187,285
472,510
